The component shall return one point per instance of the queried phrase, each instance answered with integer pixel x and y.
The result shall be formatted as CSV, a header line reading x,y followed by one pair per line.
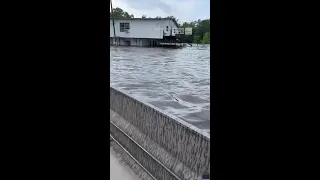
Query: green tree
x,y
199,30
187,38
206,38
172,17
119,13
144,16
196,39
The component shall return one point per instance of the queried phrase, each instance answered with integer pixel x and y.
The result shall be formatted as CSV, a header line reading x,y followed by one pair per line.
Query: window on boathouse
x,y
124,27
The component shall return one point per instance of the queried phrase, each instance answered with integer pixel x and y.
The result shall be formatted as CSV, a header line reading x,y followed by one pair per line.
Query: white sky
x,y
184,10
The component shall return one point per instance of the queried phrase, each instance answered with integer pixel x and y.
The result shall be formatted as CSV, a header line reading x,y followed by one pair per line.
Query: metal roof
x,y
175,22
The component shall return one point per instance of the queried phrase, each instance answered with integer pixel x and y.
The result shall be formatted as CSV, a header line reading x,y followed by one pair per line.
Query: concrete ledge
x,y
119,170
177,167
183,148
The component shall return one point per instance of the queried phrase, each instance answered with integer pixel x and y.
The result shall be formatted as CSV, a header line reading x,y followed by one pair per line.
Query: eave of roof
x,y
174,21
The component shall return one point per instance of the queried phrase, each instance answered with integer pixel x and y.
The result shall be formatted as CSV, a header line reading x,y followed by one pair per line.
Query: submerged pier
x,y
156,145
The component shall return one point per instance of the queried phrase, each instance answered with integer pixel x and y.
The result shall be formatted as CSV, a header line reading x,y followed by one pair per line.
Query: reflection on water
x,y
174,80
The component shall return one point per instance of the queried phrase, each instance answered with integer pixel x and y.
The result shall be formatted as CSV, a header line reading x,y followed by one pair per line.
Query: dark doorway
x,y
127,43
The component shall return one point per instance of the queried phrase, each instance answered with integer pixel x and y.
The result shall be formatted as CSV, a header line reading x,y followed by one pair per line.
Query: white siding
x,y
152,29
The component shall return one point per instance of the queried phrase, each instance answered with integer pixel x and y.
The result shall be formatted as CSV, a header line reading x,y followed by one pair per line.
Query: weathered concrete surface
x,y
181,147
125,158
120,171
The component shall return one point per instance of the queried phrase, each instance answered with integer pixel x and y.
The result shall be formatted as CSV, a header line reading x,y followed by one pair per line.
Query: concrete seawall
x,y
175,145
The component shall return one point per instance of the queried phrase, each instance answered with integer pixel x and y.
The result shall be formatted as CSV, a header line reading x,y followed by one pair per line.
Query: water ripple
x,y
174,80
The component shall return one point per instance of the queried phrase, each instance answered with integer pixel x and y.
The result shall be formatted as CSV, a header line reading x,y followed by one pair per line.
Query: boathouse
x,y
143,31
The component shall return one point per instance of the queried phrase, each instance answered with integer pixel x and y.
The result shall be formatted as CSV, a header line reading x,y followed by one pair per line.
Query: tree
x,y
126,15
203,27
144,16
187,38
172,17
196,39
206,39
119,13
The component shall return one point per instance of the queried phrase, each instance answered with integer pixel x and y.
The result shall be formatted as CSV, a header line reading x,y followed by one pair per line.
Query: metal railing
x,y
142,157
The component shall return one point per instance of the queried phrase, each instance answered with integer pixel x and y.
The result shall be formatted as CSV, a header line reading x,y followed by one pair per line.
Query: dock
x,y
176,45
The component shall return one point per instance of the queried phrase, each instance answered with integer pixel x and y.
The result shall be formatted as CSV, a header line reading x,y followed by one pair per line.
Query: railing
x,y
141,156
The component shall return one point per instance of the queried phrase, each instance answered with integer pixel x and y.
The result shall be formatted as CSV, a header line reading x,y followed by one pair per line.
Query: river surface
x,y
174,80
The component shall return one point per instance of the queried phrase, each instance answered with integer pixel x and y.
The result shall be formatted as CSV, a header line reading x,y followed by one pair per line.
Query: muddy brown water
x,y
174,80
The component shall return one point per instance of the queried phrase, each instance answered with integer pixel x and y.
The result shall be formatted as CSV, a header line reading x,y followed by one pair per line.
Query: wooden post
x,y
114,30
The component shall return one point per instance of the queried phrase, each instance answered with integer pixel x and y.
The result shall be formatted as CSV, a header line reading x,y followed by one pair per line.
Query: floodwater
x,y
174,80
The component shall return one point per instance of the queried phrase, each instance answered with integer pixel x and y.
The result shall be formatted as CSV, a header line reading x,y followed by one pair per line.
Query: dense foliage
x,y
200,28
119,13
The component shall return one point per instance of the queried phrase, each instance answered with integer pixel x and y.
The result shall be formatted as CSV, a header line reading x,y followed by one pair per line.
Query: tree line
x,y
200,28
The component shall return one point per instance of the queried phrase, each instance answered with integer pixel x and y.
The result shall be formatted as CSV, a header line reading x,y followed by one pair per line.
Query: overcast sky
x,y
184,10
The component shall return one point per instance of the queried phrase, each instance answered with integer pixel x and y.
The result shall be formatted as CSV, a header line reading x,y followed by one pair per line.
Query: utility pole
x,y
114,30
